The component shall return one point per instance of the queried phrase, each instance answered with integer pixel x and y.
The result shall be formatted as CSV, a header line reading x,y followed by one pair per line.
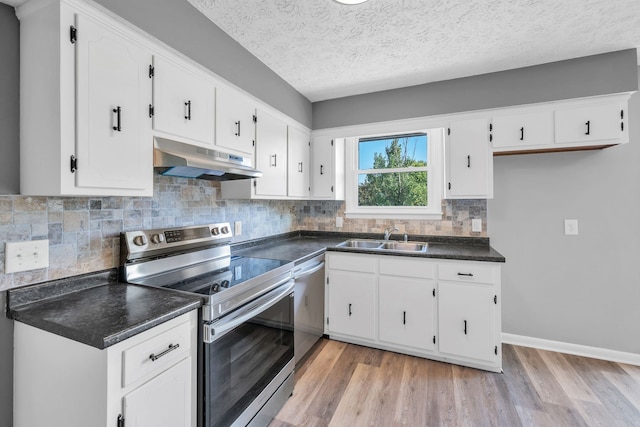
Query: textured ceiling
x,y
327,50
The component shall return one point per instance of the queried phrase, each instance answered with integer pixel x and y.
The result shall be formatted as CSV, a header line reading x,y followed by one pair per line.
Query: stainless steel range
x,y
247,354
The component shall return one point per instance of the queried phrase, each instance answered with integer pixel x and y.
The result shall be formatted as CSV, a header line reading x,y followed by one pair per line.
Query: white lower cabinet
x,y
352,304
63,383
438,309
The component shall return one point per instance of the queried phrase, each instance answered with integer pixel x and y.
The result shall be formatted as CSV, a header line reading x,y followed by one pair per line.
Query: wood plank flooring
x,y
347,385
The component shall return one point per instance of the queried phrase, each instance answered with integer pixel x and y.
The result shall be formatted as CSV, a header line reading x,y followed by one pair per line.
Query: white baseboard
x,y
576,349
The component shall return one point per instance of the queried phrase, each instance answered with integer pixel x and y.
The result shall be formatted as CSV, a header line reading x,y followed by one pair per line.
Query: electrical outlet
x,y
23,256
476,225
339,222
237,228
570,227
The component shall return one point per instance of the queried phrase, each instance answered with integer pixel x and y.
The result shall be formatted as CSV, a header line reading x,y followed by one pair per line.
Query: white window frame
x,y
435,172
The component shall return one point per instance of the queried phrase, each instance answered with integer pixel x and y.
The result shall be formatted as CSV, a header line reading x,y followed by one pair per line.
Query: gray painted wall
x,y
184,28
579,289
9,101
592,75
9,181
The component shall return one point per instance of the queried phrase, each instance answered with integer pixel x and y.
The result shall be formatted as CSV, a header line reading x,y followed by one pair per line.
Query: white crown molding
x,y
575,349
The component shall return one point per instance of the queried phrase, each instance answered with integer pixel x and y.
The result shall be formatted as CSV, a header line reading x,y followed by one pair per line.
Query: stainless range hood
x,y
173,158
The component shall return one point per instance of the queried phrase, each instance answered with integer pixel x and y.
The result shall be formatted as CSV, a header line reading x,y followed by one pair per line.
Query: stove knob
x,y
224,284
215,231
140,240
225,230
157,238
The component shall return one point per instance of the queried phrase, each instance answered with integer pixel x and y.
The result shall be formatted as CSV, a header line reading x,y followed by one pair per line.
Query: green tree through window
x,y
393,171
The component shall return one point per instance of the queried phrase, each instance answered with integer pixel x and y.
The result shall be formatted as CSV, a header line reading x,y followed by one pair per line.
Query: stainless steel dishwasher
x,y
308,303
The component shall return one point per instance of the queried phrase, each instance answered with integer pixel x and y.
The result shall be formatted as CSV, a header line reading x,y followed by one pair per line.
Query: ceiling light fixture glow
x,y
350,2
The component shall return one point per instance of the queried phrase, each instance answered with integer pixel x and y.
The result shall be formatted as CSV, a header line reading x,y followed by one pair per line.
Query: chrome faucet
x,y
388,231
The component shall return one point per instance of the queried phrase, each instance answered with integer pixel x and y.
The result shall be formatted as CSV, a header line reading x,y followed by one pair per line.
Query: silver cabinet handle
x,y
155,357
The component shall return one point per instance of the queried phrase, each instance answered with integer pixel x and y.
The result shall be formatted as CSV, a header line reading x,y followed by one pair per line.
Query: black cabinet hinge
x,y
495,350
151,110
255,183
434,339
449,186
327,320
332,142
621,114
490,137
490,127
120,421
434,292
332,188
73,34
73,164
255,119
327,280
253,142
495,299
448,131
152,71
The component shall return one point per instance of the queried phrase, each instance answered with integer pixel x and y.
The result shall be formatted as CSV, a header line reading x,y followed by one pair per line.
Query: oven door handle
x,y
302,273
217,330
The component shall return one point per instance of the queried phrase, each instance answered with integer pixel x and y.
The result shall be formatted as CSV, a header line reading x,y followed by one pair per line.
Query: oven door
x,y
247,355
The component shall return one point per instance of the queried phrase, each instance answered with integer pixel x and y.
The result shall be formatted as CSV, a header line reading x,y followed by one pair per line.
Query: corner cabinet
x,y
120,384
84,104
444,310
468,160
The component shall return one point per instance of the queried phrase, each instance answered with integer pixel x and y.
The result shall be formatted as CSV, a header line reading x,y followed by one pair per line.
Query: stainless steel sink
x,y
404,246
384,245
362,244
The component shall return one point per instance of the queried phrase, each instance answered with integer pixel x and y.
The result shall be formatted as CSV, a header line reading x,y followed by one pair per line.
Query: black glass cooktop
x,y
239,270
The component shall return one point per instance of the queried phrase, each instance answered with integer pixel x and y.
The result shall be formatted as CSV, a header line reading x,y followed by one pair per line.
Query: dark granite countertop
x,y
100,314
301,246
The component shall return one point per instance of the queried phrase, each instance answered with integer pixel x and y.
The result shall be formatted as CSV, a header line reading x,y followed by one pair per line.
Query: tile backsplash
x,y
83,232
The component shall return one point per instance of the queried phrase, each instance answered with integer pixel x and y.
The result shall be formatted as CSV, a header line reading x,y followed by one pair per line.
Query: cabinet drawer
x,y
351,262
167,349
407,267
467,272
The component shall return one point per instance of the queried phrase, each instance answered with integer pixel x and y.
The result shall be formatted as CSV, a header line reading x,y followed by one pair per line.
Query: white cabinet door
x,y
406,312
299,145
596,123
235,126
469,160
520,131
183,102
114,146
327,171
466,316
352,304
271,155
162,401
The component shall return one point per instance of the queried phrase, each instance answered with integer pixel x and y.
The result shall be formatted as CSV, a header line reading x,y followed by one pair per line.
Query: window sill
x,y
437,216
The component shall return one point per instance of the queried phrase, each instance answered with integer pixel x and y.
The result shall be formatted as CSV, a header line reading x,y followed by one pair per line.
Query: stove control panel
x,y
137,242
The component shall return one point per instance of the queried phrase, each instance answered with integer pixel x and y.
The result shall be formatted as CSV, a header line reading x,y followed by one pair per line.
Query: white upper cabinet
x,y
85,96
518,131
327,173
235,121
299,145
603,122
184,102
271,155
113,132
469,161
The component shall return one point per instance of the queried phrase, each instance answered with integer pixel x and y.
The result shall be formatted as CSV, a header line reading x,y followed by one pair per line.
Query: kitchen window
x,y
396,176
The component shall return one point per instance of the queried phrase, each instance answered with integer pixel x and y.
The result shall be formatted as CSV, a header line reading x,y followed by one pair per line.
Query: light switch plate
x,y
23,256
476,225
237,226
570,227
339,222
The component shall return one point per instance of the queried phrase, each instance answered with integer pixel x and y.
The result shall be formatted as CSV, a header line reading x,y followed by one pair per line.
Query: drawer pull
x,y
155,357
465,327
466,274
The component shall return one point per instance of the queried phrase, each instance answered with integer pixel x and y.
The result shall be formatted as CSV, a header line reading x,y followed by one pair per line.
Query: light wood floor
x,y
348,385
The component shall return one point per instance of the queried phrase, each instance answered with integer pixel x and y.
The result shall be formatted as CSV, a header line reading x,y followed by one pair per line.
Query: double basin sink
x,y
384,245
